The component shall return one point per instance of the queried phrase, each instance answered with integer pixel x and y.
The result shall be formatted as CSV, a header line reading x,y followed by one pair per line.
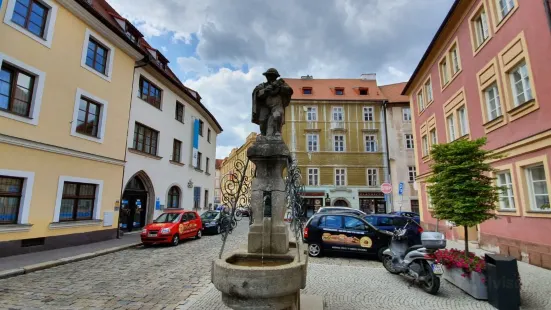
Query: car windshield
x,y
210,215
167,218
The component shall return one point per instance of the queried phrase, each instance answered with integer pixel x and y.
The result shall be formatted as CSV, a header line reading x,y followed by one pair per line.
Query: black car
x,y
343,233
211,221
391,222
341,210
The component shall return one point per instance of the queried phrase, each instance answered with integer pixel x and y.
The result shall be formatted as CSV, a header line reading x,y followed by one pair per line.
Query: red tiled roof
x,y
325,89
218,163
393,92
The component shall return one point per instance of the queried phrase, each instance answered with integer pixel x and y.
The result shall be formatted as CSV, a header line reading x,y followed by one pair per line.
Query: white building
x,y
161,170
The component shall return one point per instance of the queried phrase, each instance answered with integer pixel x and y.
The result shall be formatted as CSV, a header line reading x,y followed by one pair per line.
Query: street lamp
x,y
327,200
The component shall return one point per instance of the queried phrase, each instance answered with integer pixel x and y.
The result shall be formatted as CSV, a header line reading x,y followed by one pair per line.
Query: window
x,y
368,114
11,191
201,125
505,6
425,146
520,83
370,143
338,114
307,91
199,155
312,141
206,201
454,55
406,114
208,135
506,197
96,56
339,91
428,90
492,102
412,173
537,188
372,177
463,121
353,223
340,177
451,128
207,163
433,137
145,139
77,202
88,117
179,112
363,92
420,101
173,197
34,18
150,93
481,28
16,90
338,143
311,114
331,221
444,72
176,151
409,141
313,176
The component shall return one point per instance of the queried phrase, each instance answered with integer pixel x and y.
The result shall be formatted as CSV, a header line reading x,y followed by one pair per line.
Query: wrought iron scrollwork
x,y
236,192
295,190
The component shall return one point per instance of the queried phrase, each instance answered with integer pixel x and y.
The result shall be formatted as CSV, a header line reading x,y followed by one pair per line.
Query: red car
x,y
173,226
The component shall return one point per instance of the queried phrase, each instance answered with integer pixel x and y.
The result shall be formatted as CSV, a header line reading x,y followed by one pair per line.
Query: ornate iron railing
x,y
295,190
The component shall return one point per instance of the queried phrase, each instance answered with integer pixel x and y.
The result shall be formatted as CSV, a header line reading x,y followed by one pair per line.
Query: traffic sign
x,y
401,188
386,188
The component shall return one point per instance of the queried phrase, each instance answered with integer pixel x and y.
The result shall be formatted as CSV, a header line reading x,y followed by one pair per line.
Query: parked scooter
x,y
416,262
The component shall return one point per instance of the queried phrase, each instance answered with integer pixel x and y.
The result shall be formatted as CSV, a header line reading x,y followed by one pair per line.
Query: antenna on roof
x,y
306,77
369,76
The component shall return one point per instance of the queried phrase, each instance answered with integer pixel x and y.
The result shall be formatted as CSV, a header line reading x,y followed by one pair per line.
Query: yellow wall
x,y
47,168
64,74
229,163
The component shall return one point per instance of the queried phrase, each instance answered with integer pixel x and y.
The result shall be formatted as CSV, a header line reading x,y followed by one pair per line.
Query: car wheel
x,y
380,253
199,234
218,229
314,250
175,240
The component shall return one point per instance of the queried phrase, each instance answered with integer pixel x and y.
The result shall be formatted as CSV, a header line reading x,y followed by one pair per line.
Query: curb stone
x,y
62,261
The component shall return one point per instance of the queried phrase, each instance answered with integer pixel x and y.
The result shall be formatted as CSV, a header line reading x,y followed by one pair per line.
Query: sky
x,y
221,47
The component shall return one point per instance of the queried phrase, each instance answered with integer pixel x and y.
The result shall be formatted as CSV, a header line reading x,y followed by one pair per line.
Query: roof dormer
x,y
307,90
339,91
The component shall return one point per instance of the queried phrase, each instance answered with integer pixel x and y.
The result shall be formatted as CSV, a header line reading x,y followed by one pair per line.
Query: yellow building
x,y
228,167
335,129
65,92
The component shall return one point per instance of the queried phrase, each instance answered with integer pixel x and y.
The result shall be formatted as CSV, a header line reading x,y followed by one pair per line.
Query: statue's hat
x,y
271,71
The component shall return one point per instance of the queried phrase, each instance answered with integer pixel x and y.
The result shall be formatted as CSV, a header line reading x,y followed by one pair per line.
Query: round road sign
x,y
386,188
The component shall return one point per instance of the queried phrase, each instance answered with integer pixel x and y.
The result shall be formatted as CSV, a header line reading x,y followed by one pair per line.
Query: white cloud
x,y
223,151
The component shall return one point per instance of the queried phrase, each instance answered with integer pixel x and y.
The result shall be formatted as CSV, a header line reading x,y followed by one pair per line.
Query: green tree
x,y
461,187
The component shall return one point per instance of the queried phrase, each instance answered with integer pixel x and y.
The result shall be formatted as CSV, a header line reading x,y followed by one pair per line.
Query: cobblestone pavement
x,y
154,278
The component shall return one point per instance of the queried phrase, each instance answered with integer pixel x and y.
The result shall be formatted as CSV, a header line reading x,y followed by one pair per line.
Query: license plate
x,y
437,269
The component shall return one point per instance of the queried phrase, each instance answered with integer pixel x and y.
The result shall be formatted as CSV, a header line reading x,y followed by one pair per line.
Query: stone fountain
x,y
270,272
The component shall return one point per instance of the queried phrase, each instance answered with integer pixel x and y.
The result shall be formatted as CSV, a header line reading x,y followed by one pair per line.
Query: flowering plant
x,y
454,258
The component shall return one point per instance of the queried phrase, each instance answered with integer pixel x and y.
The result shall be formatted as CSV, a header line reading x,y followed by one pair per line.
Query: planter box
x,y
472,285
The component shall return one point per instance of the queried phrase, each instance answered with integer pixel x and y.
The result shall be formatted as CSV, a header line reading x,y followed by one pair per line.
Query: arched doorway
x,y
340,203
137,207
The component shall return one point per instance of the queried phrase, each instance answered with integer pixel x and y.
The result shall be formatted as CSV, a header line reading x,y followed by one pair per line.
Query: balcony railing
x,y
337,125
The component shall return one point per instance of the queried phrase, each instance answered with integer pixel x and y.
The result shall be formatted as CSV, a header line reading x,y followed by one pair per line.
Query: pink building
x,y
487,73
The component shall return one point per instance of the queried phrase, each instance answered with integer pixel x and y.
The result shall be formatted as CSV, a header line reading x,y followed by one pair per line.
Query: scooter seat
x,y
414,247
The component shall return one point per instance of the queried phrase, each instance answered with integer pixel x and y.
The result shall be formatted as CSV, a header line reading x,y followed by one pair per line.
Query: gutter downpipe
x,y
142,63
386,161
547,7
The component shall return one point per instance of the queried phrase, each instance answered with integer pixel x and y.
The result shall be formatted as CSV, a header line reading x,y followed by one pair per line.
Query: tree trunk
x,y
466,239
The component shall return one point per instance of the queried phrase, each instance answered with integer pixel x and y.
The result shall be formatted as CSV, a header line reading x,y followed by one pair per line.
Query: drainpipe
x,y
386,154
547,12
142,63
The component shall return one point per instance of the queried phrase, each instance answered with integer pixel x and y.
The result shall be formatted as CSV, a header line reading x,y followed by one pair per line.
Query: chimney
x,y
306,77
369,76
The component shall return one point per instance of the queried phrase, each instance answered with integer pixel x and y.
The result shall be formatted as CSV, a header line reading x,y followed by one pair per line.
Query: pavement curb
x,y
62,261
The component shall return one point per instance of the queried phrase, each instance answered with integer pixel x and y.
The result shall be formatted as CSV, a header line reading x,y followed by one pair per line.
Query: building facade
x,y
217,177
65,85
335,128
485,74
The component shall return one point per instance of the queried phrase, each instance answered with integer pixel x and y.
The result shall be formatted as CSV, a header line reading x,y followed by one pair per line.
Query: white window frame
x,y
97,200
314,172
408,138
425,141
509,194
450,122
428,90
102,117
341,175
49,27
433,137
530,184
482,32
420,101
26,193
525,81
38,90
412,173
311,114
315,142
341,142
110,55
406,114
462,117
444,72
368,111
372,139
509,6
372,177
496,101
337,111
456,65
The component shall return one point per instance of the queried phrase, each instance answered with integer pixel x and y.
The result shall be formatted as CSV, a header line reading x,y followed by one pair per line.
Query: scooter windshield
x,y
399,247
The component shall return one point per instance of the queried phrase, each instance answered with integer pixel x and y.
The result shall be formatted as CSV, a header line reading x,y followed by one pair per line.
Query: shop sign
x,y
370,194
